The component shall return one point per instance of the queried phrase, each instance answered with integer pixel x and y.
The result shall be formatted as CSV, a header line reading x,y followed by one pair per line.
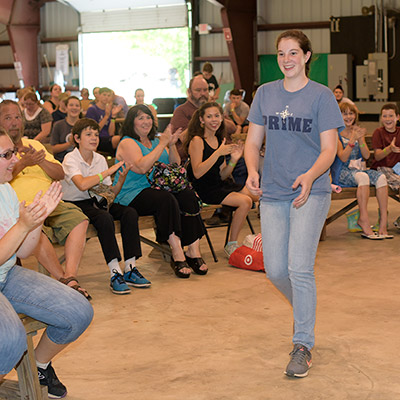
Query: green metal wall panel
x,y
269,70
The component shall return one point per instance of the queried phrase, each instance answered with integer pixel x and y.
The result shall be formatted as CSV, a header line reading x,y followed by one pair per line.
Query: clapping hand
x,y
114,168
393,147
31,157
166,136
108,109
125,167
237,151
358,132
115,110
225,149
33,215
175,136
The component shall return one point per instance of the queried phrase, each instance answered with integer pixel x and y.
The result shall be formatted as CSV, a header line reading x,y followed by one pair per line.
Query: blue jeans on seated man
x,y
239,173
66,312
290,241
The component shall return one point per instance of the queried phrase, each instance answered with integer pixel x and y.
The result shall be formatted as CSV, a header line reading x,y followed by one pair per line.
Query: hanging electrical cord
x,y
392,25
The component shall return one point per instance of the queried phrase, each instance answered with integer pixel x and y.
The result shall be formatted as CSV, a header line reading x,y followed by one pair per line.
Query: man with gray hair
x,y
36,170
197,96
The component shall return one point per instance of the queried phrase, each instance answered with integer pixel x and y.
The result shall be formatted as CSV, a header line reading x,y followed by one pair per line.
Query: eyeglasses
x,y
9,153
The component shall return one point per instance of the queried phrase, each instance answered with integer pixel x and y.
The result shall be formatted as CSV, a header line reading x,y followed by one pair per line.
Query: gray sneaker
x,y
300,362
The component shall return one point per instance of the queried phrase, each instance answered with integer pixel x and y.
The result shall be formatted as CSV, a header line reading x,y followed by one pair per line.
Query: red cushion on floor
x,y
246,258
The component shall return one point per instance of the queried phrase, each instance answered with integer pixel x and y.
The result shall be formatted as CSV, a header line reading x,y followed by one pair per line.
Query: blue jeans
x,y
290,240
66,312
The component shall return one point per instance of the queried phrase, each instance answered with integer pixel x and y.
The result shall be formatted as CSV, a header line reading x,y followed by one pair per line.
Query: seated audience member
x,y
197,96
85,101
21,94
37,120
61,111
52,103
139,97
207,147
104,113
237,111
24,291
96,94
348,171
176,215
61,138
120,104
36,170
213,87
84,168
386,144
339,95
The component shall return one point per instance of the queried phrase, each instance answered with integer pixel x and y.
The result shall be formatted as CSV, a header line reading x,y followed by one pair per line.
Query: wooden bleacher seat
x,y
28,386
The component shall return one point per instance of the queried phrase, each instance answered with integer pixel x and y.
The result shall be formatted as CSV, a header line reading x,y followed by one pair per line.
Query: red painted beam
x,y
22,19
239,19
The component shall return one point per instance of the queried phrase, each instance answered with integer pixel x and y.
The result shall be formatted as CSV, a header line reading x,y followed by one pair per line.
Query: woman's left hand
x,y
305,181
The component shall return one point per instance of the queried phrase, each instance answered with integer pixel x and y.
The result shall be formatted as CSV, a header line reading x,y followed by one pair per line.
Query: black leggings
x,y
103,221
165,207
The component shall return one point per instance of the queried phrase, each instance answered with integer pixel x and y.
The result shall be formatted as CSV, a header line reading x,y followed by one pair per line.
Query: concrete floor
x,y
227,335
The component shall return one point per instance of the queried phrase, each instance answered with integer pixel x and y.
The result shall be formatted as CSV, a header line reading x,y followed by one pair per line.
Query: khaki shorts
x,y
61,221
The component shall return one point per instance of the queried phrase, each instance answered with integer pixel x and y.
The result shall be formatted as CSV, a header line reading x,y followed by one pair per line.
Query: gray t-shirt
x,y
61,129
293,122
242,110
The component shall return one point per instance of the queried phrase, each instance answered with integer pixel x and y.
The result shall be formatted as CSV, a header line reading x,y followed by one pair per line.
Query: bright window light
x,y
156,61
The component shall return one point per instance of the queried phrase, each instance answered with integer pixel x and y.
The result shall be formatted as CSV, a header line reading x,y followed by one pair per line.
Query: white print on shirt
x,y
285,113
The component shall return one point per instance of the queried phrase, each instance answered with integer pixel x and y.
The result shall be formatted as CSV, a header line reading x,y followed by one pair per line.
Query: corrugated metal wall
x,y
287,11
58,20
280,11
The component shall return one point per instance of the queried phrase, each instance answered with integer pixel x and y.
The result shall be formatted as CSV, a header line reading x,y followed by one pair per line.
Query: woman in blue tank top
x,y
175,213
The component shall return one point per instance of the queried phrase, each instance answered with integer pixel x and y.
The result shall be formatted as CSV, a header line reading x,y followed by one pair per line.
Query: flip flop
x,y
386,236
371,237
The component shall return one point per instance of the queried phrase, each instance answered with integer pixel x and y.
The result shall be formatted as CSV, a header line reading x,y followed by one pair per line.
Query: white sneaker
x,y
230,248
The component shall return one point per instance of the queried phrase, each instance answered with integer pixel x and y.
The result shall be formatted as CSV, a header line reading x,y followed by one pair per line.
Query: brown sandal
x,y
77,286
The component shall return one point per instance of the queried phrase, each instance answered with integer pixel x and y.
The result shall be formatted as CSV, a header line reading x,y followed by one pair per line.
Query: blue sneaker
x,y
136,279
118,284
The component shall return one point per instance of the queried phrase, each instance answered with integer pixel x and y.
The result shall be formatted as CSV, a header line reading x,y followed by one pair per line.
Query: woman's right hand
x,y
253,183
225,149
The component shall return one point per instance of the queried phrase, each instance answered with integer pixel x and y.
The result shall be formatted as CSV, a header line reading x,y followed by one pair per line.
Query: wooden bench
x,y
147,222
351,194
28,386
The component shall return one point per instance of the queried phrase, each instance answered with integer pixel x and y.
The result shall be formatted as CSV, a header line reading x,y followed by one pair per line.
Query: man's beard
x,y
202,100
